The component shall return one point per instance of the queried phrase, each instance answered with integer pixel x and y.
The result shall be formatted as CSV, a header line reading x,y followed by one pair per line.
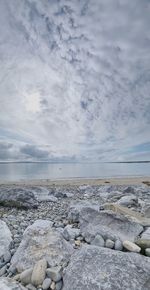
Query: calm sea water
x,y
19,171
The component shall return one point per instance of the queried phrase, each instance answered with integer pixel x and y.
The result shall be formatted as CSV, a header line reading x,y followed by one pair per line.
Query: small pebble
x,y
53,286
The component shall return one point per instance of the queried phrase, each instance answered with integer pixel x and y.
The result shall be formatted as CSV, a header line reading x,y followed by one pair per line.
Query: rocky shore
x,y
69,237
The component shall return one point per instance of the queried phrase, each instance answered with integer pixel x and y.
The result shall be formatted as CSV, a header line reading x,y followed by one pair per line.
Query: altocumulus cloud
x,y
74,79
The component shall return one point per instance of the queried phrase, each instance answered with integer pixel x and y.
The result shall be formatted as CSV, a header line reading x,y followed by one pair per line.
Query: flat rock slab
x,y
40,241
108,224
8,284
5,238
94,268
17,197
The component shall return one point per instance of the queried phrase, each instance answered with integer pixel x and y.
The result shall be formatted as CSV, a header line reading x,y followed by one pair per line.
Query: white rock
x,y
130,246
39,272
40,241
5,238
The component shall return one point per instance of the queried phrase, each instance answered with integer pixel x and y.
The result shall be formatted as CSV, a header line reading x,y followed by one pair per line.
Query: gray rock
x,y
31,287
52,198
5,238
109,244
146,234
17,197
60,194
128,200
98,241
39,272
25,276
3,270
40,241
147,252
46,284
108,224
12,270
8,284
118,245
129,189
146,210
59,285
143,243
7,257
55,273
76,208
70,233
100,268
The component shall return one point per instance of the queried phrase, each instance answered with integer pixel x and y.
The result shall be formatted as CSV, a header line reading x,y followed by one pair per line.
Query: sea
x,y
28,171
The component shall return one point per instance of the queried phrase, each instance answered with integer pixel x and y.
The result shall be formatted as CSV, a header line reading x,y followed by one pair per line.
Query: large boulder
x,y
8,284
76,208
17,197
5,238
108,224
128,200
102,269
40,241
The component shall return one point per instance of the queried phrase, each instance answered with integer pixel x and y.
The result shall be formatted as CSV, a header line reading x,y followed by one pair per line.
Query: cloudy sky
x,y
75,80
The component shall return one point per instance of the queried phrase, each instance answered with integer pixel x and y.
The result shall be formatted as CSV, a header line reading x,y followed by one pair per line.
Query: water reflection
x,y
17,171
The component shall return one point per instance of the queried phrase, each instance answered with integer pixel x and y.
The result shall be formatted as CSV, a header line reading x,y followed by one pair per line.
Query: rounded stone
x,y
130,246
54,273
59,285
143,243
147,252
98,241
25,276
46,284
39,272
7,257
118,245
109,244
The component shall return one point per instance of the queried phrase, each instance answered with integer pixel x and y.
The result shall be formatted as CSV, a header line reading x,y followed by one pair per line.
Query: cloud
x,y
32,151
75,76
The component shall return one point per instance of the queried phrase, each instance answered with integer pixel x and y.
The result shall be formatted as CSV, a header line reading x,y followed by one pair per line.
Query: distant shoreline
x,y
80,181
71,162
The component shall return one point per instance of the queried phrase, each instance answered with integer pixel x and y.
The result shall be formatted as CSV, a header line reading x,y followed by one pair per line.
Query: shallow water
x,y
18,171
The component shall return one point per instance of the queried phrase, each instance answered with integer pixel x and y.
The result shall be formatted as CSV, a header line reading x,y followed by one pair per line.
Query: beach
x,y
55,232
79,181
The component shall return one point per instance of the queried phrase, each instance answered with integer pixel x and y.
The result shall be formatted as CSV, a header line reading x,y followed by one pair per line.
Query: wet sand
x,y
79,181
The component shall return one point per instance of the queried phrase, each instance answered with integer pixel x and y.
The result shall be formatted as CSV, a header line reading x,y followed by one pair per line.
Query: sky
x,y
74,80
